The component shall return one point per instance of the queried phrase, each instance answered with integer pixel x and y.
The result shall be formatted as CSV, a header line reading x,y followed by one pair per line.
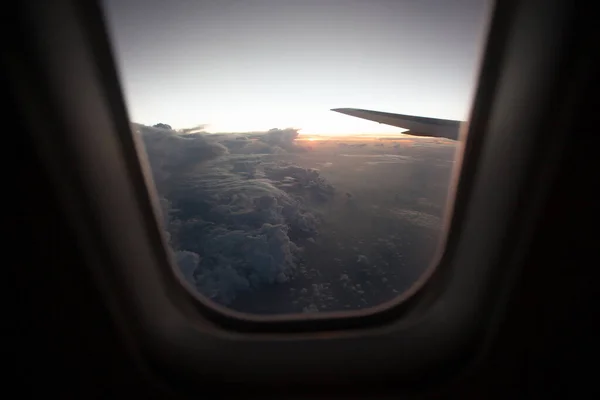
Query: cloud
x,y
301,181
241,229
170,153
283,138
238,260
194,129
273,141
233,216
258,147
417,218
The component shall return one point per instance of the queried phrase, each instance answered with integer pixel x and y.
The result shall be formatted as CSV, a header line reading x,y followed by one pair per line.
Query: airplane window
x,y
302,151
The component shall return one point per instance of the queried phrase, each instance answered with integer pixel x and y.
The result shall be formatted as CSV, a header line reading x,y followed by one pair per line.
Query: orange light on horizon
x,y
310,138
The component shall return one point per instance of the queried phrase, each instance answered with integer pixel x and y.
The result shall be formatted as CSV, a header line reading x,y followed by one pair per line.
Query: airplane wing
x,y
417,126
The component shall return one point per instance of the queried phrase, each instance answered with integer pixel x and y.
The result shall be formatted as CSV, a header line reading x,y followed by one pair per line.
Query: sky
x,y
253,65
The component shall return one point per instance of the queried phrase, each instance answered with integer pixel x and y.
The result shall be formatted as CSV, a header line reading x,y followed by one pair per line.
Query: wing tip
x,y
344,110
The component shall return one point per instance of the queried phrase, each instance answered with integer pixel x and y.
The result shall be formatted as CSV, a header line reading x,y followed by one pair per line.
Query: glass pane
x,y
272,202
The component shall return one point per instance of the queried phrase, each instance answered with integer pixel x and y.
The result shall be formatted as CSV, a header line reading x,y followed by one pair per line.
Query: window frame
x,y
70,91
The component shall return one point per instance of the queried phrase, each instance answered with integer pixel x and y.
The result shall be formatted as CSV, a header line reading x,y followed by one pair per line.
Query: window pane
x,y
272,202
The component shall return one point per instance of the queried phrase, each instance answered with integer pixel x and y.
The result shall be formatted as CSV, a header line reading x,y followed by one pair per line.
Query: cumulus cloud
x,y
256,147
295,179
242,230
233,216
283,138
170,153
235,260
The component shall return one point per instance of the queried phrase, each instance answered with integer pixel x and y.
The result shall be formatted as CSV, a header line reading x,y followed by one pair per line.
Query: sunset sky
x,y
249,65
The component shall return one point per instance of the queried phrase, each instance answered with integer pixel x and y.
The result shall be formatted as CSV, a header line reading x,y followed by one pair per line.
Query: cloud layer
x,y
233,213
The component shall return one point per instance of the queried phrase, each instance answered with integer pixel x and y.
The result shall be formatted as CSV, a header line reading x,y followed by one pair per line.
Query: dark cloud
x,y
303,181
170,153
194,129
242,231
233,217
273,141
